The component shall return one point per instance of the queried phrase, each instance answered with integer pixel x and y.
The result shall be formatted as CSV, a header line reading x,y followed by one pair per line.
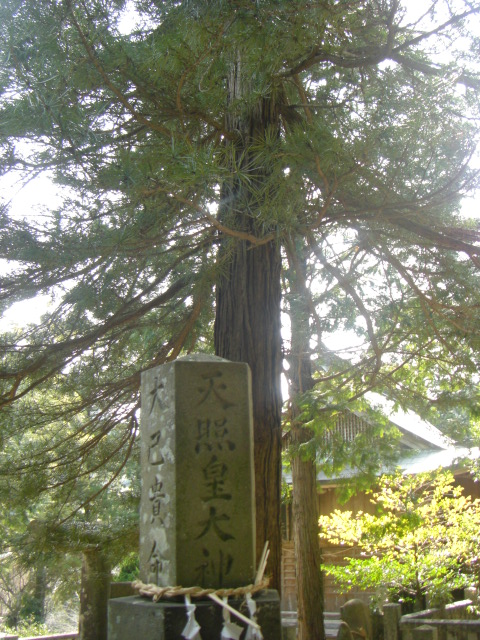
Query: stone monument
x,y
197,524
197,519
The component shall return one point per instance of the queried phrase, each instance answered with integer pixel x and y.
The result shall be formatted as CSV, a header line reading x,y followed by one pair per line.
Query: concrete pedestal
x,y
137,618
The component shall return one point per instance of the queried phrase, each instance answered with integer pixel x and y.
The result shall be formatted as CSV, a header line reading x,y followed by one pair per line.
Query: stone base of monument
x,y
137,618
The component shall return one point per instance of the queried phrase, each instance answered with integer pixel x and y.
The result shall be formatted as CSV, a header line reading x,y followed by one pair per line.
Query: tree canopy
x,y
194,146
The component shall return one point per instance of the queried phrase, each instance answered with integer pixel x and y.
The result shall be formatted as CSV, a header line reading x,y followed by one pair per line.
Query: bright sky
x,y
29,201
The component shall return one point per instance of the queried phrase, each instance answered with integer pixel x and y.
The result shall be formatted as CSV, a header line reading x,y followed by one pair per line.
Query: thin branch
x,y
351,291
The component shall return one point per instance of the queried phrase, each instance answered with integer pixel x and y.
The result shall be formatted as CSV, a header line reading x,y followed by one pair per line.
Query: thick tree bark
x,y
248,295
247,329
94,594
308,558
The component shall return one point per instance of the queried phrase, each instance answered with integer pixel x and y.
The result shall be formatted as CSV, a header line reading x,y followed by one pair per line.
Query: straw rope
x,y
157,593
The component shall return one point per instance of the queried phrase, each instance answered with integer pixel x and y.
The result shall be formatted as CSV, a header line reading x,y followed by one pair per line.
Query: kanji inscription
x,y
197,509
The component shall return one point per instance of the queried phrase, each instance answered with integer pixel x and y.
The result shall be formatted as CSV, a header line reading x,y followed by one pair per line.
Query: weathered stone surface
x,y
392,612
197,508
357,615
136,617
94,594
344,632
425,632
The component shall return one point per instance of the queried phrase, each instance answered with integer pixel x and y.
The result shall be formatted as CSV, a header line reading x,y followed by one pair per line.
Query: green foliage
x,y
26,627
421,540
14,584
286,486
129,569
48,514
372,449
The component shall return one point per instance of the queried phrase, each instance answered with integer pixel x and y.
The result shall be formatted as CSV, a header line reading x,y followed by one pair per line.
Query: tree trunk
x,y
247,329
94,594
308,558
40,591
307,548
247,323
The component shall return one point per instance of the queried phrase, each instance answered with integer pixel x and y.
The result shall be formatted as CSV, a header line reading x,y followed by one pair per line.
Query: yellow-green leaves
x,y
422,539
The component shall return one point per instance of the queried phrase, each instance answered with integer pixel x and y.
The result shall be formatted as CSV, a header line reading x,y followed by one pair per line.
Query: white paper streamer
x,y
192,628
230,630
253,633
236,613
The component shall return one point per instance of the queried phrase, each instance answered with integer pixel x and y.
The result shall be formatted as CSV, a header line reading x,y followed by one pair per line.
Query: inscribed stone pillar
x,y
197,507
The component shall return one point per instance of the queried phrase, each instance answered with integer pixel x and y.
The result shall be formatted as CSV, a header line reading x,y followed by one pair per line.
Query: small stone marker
x,y
197,521
425,632
356,614
344,632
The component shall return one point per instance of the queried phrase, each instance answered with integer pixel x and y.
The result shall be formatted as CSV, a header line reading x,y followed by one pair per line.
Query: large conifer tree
x,y
193,146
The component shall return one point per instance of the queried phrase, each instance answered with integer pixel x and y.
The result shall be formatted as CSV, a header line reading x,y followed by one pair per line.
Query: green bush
x,y
27,627
129,569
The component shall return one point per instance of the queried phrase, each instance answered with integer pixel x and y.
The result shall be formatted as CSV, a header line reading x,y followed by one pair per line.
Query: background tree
x,y
57,511
421,542
308,559
14,582
191,148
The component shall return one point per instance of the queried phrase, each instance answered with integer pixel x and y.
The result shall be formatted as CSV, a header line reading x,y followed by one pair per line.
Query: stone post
x,y
425,632
94,594
356,614
197,520
391,618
